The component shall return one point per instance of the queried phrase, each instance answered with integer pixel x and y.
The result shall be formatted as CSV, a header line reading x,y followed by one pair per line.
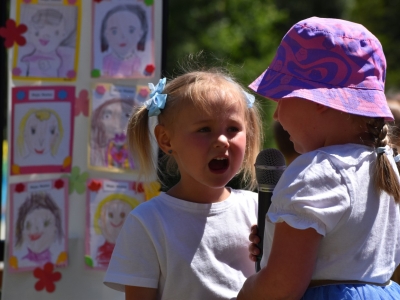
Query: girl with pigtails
x,y
190,242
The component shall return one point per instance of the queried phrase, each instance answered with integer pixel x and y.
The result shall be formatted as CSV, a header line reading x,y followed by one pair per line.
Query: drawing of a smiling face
x,y
47,30
41,135
112,218
123,32
39,230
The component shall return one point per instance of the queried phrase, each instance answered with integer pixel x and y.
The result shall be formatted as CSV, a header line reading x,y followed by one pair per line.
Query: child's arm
x,y
140,293
289,268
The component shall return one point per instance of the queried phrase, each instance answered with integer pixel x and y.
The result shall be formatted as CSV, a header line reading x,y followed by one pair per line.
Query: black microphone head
x,y
270,164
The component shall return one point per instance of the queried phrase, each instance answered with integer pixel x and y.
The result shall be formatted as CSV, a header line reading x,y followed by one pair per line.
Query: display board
x,y
77,70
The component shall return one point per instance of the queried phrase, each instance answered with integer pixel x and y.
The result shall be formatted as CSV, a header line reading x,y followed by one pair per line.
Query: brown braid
x,y
385,177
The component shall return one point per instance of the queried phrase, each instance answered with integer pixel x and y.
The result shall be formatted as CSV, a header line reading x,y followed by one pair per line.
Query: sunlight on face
x,y
47,38
112,218
40,136
123,32
39,230
114,119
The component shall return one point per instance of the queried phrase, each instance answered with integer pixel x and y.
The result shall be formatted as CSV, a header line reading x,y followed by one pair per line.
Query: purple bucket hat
x,y
337,63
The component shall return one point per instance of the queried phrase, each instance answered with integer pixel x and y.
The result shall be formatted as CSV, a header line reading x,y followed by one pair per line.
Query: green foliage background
x,y
245,34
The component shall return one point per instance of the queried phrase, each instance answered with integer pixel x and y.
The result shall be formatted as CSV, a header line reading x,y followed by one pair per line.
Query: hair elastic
x,y
380,150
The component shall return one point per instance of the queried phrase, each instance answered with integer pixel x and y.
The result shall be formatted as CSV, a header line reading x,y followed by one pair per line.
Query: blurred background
x,y
243,35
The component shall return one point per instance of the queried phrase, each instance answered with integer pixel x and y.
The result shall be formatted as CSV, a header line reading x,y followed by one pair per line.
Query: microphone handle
x,y
264,202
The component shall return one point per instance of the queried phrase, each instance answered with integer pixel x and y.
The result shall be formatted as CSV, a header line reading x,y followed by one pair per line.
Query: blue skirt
x,y
354,291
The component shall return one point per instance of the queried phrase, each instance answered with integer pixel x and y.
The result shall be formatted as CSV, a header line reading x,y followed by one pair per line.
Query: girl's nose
x,y
222,141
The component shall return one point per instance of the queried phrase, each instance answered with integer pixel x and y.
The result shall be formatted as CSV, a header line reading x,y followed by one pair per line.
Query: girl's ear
x,y
163,138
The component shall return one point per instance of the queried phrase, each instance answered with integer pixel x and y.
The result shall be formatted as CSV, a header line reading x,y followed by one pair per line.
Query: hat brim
x,y
365,102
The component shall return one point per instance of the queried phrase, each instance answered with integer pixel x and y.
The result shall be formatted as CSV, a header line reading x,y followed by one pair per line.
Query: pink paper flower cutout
x,y
20,187
144,92
46,278
82,103
149,69
16,71
71,2
59,184
71,74
94,186
100,89
13,33
138,187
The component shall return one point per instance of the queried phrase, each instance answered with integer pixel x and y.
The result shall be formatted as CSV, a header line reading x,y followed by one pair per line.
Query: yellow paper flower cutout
x,y
15,169
151,189
62,258
67,162
13,261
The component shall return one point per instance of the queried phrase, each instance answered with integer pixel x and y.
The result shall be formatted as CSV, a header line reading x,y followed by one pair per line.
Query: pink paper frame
x,y
60,101
19,193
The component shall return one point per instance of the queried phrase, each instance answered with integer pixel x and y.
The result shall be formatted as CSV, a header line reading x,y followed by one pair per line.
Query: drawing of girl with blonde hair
x,y
108,219
40,133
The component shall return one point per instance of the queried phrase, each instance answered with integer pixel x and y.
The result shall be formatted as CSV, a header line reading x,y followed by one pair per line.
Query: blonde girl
x,y
190,242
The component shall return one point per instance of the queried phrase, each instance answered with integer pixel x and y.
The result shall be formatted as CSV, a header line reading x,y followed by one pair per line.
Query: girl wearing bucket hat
x,y
332,230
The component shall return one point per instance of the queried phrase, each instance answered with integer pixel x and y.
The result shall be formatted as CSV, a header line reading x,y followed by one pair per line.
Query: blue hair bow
x,y
157,100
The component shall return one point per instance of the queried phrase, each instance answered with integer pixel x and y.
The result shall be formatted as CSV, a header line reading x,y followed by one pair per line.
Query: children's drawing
x,y
122,36
108,204
42,129
40,132
111,109
38,224
51,46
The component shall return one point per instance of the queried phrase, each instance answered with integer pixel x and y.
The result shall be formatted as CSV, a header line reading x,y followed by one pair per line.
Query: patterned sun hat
x,y
337,63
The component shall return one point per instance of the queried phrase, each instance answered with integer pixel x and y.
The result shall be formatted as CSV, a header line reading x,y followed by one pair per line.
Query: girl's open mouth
x,y
219,164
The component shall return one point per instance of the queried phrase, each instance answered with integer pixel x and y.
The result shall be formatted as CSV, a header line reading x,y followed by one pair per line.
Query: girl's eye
x,y
114,31
127,116
233,129
28,225
122,215
46,223
131,30
205,129
33,130
37,33
56,32
52,130
110,215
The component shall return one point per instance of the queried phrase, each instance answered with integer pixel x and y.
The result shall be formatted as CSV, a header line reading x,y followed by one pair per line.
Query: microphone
x,y
270,164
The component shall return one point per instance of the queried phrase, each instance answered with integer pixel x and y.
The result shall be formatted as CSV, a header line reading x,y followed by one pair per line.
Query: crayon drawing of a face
x,y
47,30
111,214
39,223
114,119
109,119
41,131
123,32
39,230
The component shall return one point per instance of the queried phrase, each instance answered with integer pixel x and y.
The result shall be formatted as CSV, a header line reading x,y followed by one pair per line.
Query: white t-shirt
x,y
331,190
186,250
